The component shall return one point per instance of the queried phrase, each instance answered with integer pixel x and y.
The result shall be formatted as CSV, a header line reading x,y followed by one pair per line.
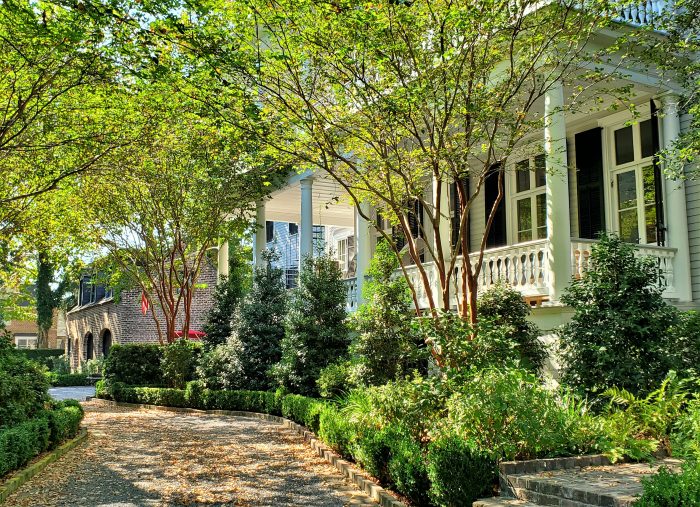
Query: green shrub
x,y
22,442
619,334
315,330
407,469
669,489
685,349
195,394
64,421
163,396
179,362
59,365
335,379
44,357
337,431
387,346
459,473
23,386
67,379
303,410
510,414
372,450
137,365
220,367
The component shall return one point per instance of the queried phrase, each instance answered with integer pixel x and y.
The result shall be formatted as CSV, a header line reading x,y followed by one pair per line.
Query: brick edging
x,y
547,464
359,479
21,477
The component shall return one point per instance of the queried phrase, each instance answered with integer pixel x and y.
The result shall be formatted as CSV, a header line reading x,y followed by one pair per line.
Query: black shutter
x,y
457,213
415,219
589,183
497,233
658,192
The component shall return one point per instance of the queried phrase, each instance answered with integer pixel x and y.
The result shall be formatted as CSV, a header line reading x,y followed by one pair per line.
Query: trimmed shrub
x,y
67,379
669,489
137,365
220,367
337,431
179,362
164,396
22,442
372,450
407,469
44,357
459,473
64,421
306,411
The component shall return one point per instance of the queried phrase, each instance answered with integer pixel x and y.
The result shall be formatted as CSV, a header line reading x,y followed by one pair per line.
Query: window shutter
x,y
658,193
457,213
415,219
497,233
589,183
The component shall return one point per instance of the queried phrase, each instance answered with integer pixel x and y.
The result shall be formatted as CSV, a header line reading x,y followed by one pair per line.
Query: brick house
x,y
26,332
99,320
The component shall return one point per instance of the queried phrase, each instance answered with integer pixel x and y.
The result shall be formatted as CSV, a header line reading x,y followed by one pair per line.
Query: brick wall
x,y
125,322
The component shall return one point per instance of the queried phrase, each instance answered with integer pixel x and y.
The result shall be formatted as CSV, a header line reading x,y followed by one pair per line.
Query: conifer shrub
x,y
316,334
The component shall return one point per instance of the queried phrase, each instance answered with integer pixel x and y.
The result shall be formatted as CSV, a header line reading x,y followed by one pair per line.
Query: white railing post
x,y
363,248
558,259
675,206
222,261
306,226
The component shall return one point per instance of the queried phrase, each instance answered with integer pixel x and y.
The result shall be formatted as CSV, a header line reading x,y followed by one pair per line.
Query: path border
x,y
18,479
359,479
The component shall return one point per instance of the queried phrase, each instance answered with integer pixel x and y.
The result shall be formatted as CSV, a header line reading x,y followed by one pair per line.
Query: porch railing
x,y
581,252
643,12
351,298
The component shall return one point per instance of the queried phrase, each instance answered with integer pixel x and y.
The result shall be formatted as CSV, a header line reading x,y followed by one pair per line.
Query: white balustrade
x,y
581,253
351,298
643,12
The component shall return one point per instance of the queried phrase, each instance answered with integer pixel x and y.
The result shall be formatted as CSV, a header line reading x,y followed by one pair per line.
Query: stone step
x,y
499,501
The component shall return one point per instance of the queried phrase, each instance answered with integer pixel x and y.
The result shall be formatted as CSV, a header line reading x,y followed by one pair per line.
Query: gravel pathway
x,y
148,458
72,393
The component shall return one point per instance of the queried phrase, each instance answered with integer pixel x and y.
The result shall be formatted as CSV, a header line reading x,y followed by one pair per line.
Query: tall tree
x,y
48,298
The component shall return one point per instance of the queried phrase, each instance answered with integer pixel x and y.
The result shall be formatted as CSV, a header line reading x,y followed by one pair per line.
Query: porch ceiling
x,y
331,204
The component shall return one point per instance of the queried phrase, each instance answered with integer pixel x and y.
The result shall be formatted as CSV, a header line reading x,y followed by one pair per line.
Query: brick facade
x,y
123,321
30,328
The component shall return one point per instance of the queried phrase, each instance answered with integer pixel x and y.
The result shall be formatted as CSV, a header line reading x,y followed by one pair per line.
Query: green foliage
x,y
260,327
408,470
685,438
67,379
23,386
504,306
229,293
48,298
337,431
179,362
59,365
20,443
670,489
459,473
685,346
386,346
510,415
306,411
220,367
134,364
316,334
164,396
335,379
64,421
45,357
619,334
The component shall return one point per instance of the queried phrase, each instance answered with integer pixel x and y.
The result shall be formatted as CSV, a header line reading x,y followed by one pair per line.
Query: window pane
x,y
649,186
522,176
626,190
629,229
650,222
624,146
540,171
647,138
293,228
524,220
541,205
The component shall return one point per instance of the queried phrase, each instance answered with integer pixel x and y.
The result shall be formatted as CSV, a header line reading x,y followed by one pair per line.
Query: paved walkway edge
x,y
21,477
377,493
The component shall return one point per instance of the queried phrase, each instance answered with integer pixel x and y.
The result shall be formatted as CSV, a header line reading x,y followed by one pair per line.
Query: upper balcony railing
x,y
643,12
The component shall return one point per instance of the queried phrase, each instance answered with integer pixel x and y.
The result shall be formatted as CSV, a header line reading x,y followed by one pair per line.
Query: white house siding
x,y
692,192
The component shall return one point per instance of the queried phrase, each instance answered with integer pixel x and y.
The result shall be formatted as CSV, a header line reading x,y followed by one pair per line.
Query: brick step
x,y
543,490
499,501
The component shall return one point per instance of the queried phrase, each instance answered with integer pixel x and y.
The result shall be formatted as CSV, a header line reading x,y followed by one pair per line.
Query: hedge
x,y
22,442
67,379
449,473
41,356
135,364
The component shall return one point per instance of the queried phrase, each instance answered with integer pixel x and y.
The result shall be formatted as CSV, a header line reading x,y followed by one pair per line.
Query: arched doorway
x,y
89,347
106,342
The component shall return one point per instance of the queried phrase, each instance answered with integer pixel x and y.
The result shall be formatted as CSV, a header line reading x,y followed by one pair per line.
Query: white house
x,y
602,178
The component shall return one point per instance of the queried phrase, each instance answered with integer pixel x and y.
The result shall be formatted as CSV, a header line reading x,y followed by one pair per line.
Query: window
x,y
319,238
269,231
26,341
529,201
293,229
636,195
342,248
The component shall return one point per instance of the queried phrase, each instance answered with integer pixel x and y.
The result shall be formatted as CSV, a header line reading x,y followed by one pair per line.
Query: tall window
x,y
269,231
529,202
26,341
635,188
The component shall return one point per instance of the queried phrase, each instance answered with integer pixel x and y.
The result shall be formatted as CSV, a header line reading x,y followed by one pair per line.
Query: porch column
x,y
444,219
306,227
557,192
222,260
676,213
260,233
363,248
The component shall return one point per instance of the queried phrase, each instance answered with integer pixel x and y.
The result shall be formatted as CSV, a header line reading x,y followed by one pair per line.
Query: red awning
x,y
192,335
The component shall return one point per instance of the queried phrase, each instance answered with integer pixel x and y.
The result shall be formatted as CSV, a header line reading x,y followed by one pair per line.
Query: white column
x,y
363,248
557,192
676,217
222,260
444,221
306,227
260,233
